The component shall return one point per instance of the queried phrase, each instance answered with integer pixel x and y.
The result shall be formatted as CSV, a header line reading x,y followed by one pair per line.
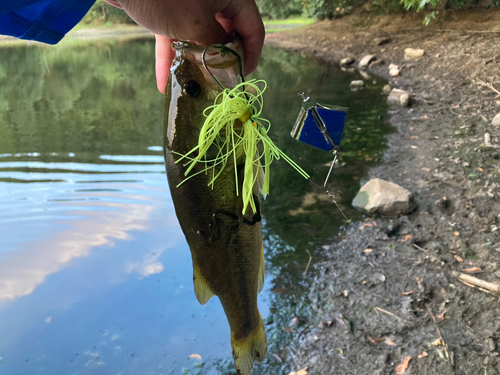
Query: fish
x,y
225,241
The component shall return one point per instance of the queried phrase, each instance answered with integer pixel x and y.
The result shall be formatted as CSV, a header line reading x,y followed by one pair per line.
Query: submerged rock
x,y
366,60
400,97
357,83
384,198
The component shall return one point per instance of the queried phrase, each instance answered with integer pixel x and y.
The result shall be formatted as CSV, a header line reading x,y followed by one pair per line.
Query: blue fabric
x,y
45,21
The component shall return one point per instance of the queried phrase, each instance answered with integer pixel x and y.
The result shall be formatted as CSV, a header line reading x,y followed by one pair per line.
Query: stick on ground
x,y
475,282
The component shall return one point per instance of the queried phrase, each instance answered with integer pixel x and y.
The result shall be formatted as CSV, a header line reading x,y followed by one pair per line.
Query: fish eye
x,y
193,89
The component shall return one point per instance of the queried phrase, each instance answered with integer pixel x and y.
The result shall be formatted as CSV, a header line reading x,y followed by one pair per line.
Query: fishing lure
x,y
321,126
244,104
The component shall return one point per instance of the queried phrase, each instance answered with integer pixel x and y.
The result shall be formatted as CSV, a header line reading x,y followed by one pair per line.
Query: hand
x,y
201,21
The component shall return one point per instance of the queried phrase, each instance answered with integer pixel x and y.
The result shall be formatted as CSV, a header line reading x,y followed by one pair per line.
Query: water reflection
x,y
95,275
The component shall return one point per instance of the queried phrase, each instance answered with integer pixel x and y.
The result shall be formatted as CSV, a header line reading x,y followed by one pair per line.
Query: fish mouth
x,y
222,61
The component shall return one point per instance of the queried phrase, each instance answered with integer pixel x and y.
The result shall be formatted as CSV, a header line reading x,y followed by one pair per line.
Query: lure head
x,y
191,88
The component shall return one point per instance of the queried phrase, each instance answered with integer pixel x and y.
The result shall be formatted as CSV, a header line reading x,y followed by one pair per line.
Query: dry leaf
x,y
438,342
414,147
375,224
415,280
441,316
368,225
472,270
300,372
367,251
289,330
361,227
426,169
401,368
458,258
480,169
406,293
456,233
414,137
195,356
407,237
389,342
423,355
374,340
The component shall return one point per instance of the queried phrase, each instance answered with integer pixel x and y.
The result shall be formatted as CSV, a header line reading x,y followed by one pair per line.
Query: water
x,y
95,274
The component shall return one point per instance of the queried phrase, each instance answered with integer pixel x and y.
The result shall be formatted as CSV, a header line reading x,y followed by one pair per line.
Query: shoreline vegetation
x,y
389,296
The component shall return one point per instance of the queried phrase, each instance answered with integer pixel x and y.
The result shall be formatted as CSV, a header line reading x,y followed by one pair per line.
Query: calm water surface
x,y
95,274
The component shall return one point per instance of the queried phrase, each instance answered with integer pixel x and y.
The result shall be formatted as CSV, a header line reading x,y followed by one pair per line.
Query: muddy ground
x,y
374,309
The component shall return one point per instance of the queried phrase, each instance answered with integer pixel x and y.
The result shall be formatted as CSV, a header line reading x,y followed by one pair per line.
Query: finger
x,y
245,19
114,3
164,55
192,20
201,26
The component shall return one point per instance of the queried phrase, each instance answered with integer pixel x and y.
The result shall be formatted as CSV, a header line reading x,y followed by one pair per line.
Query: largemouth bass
x,y
226,244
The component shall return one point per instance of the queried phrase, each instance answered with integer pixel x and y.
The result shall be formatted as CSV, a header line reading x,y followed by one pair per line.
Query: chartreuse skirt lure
x,y
234,126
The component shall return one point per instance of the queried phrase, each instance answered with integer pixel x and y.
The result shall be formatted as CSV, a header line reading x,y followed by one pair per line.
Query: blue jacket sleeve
x,y
45,21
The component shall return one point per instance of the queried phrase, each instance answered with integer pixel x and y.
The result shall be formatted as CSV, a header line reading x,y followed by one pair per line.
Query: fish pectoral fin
x,y
262,275
249,350
201,288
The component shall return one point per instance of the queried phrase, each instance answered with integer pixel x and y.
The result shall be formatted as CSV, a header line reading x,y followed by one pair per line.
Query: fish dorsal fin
x,y
201,288
262,276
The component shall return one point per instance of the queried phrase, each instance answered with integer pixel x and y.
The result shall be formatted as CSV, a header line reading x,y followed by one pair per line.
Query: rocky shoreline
x,y
387,299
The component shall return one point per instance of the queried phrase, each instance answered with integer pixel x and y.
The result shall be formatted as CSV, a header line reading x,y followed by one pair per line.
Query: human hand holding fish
x,y
204,22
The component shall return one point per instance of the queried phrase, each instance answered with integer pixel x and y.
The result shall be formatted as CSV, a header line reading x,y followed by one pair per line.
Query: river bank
x,y
386,293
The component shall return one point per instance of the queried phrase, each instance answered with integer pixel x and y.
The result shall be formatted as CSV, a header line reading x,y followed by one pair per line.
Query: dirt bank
x,y
376,308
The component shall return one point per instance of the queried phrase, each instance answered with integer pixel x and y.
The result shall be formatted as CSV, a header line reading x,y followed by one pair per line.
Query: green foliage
x,y
279,9
418,5
102,13
330,8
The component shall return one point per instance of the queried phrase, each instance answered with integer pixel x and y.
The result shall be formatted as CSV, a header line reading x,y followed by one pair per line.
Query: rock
x,y
384,198
394,72
404,100
400,97
347,61
496,120
365,74
358,83
393,66
487,139
413,53
367,59
387,89
381,41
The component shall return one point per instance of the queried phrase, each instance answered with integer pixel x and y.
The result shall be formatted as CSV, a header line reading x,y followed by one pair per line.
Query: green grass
x,y
302,21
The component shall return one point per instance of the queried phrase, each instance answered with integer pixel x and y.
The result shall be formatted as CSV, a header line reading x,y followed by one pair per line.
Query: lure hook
x,y
224,49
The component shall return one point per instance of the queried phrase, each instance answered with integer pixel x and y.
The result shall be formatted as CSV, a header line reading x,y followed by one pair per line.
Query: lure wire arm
x,y
322,127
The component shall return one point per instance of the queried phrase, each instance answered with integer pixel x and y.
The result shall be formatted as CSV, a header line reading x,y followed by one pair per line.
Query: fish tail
x,y
247,351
